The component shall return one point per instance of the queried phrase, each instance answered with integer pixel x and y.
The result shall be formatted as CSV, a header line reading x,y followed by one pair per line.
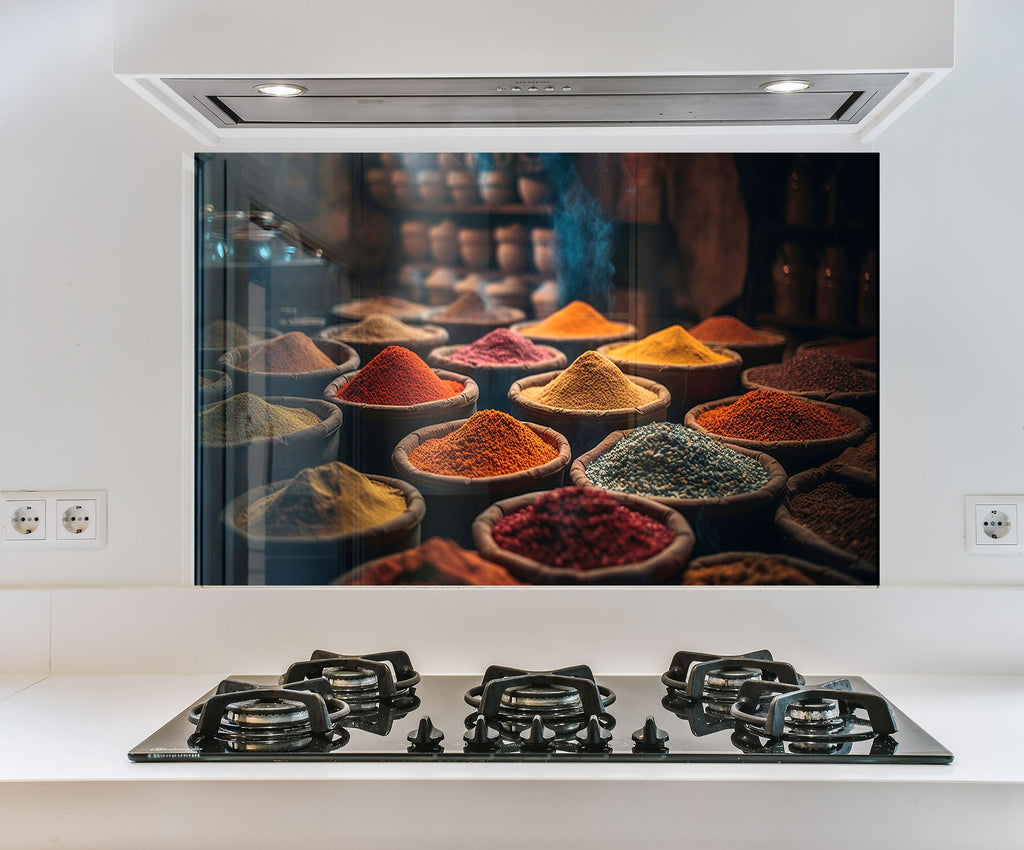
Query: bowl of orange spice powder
x,y
576,328
461,467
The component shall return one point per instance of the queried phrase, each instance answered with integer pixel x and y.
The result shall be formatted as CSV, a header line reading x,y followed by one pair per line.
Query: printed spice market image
x,y
576,319
500,347
292,353
490,443
324,501
395,377
592,382
672,461
671,346
580,528
767,416
246,417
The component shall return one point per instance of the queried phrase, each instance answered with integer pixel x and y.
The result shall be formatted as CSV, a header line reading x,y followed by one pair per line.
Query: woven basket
x,y
368,350
495,381
815,572
687,384
857,362
803,542
465,331
320,560
585,428
756,353
658,568
718,523
454,501
794,455
865,402
209,358
299,384
373,430
573,346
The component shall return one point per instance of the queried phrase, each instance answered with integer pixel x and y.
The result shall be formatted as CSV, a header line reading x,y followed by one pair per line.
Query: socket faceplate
x,y
991,525
51,531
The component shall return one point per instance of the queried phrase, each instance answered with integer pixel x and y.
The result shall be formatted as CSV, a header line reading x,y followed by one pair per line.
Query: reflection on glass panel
x,y
522,369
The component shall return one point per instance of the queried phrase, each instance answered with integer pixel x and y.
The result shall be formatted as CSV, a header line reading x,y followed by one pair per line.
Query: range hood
x,y
646,66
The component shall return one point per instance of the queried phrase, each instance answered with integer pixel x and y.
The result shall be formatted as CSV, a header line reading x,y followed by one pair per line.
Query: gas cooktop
x,y
705,708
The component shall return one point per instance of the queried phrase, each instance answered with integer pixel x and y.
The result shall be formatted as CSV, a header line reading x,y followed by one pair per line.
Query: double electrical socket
x,y
991,525
54,519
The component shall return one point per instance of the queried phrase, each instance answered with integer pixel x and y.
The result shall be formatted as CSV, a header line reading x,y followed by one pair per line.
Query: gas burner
x,y
563,699
364,681
243,717
812,718
717,679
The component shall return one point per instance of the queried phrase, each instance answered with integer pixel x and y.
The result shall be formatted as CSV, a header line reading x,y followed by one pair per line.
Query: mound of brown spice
x,y
246,417
397,377
726,329
768,416
576,319
323,501
292,353
864,456
362,307
471,306
816,369
746,569
592,382
434,562
490,443
378,327
844,519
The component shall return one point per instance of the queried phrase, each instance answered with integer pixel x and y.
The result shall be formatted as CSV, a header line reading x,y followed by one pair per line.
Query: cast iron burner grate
x,y
718,678
243,717
382,677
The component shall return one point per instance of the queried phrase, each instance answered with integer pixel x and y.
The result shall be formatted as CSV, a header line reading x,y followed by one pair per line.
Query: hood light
x,y
786,86
280,90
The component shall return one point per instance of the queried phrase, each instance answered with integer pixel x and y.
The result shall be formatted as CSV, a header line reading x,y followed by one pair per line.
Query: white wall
x,y
91,318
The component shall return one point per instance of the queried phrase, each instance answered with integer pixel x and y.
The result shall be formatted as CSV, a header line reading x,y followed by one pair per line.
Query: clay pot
x,y
431,187
402,187
495,188
533,190
544,256
414,241
462,188
475,247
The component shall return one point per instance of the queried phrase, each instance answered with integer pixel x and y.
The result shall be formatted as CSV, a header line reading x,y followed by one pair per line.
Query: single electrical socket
x,y
991,525
54,519
25,519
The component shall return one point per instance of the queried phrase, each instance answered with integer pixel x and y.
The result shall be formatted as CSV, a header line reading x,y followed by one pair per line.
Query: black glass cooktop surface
x,y
565,715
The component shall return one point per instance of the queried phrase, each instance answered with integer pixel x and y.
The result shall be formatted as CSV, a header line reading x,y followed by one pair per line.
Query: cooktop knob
x,y
481,737
538,737
594,738
427,737
650,739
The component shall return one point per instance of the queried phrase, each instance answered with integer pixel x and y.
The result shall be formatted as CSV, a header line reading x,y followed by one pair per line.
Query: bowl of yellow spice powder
x,y
315,527
461,467
589,400
692,371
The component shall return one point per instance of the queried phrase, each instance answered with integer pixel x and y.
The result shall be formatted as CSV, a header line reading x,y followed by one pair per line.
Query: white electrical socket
x,y
54,519
991,525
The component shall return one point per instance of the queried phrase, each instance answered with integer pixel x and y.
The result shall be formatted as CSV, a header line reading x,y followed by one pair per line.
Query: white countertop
x,y
64,741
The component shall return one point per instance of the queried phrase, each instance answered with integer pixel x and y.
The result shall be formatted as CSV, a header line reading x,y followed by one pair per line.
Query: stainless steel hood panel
x,y
588,101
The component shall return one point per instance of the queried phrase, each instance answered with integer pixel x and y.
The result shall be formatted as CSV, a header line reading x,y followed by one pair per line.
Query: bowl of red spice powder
x,y
756,346
391,396
292,364
831,517
462,467
582,535
799,433
496,361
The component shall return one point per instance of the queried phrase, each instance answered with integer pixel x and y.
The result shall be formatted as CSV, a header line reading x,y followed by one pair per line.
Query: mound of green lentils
x,y
676,462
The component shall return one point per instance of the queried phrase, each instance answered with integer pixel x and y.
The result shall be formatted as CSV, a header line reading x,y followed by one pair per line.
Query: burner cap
x,y
346,681
550,700
261,714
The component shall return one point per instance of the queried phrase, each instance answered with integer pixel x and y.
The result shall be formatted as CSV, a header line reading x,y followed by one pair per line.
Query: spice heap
x,y
673,346
845,520
864,456
580,528
397,376
675,462
379,327
816,369
729,329
224,333
864,349
768,416
576,319
592,382
363,307
490,443
750,568
245,417
500,347
323,501
436,561
471,306
292,353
